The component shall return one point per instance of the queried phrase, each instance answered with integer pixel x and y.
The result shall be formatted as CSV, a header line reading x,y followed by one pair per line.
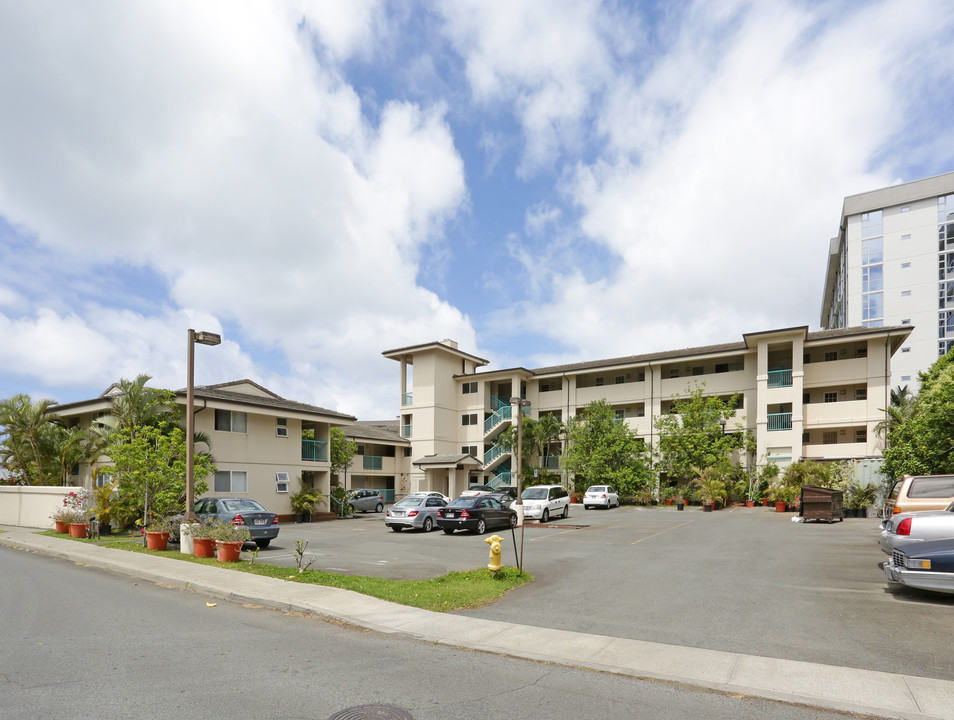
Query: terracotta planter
x,y
203,547
229,551
78,530
686,501
62,527
780,507
765,502
157,540
669,501
750,503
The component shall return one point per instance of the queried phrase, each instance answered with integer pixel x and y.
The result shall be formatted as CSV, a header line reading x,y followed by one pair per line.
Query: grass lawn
x,y
454,591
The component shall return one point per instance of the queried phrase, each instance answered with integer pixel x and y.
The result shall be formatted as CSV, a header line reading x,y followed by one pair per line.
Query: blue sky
x,y
543,182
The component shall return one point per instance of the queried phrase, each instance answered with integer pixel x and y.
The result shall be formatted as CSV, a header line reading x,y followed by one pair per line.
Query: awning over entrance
x,y
449,474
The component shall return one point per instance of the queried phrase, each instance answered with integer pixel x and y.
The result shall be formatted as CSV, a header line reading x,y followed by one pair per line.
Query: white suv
x,y
545,501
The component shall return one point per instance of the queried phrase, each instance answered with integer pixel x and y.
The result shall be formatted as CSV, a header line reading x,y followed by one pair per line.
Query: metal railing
x,y
407,398
779,378
779,421
492,454
406,430
504,479
314,450
498,417
373,462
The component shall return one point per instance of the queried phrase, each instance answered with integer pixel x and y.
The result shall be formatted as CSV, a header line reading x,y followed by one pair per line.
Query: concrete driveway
x,y
745,580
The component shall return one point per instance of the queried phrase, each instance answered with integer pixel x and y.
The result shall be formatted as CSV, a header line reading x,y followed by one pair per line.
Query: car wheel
x,y
481,527
586,507
397,528
566,510
262,544
428,525
513,520
545,516
378,508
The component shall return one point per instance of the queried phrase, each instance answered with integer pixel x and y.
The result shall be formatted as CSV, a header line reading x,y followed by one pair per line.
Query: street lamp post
x,y
203,338
519,404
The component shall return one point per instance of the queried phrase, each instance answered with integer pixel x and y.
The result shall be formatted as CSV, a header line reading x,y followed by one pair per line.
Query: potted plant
x,y
101,506
304,502
61,518
229,539
203,545
710,486
666,494
157,534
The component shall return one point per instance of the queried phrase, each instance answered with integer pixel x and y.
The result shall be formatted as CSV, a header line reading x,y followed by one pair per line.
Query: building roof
x,y
383,430
267,400
449,346
447,460
897,195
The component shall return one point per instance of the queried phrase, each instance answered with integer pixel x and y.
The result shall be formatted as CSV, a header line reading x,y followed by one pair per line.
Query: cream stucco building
x,y
803,394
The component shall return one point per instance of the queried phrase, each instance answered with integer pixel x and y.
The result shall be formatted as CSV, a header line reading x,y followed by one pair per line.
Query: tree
x,y
693,435
342,450
601,449
149,468
900,409
138,406
27,448
922,442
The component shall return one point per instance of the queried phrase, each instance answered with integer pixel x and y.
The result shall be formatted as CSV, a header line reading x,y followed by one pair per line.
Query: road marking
x,y
649,537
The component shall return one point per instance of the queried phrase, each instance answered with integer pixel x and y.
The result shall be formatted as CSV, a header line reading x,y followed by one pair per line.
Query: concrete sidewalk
x,y
825,686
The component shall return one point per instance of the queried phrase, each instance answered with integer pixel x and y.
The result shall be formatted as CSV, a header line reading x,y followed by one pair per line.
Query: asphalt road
x,y
742,580
78,642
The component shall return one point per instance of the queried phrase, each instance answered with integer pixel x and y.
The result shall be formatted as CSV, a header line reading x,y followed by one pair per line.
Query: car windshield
x,y
242,506
596,489
535,493
410,500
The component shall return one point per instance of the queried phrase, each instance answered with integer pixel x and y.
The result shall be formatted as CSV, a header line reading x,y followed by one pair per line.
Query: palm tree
x,y
901,408
549,431
138,405
27,429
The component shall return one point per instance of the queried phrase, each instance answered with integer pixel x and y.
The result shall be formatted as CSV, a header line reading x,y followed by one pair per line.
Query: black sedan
x,y
476,514
927,565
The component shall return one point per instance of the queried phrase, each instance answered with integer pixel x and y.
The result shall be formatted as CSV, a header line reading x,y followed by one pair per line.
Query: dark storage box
x,y
820,503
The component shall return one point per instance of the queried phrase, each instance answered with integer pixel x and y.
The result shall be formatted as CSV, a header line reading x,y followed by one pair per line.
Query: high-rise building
x,y
892,263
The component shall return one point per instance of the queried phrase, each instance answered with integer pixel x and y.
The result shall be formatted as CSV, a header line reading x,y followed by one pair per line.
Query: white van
x,y
545,501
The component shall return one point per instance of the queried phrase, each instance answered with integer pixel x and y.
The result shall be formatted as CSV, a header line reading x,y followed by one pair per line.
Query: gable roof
x,y
227,392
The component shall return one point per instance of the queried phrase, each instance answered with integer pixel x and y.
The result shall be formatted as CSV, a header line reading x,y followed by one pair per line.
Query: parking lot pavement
x,y
743,580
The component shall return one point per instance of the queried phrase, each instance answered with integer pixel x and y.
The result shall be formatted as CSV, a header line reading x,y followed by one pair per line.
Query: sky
x,y
543,182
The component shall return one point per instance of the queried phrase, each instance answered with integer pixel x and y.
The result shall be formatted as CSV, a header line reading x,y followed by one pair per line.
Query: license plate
x,y
451,514
259,522
397,513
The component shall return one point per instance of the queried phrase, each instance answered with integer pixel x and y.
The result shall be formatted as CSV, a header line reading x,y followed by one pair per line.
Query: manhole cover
x,y
372,712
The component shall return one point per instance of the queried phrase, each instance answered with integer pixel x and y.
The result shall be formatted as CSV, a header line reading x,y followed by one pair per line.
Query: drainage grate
x,y
372,712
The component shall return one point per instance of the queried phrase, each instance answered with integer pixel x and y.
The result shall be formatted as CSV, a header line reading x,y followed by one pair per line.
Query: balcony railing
x,y
373,462
314,450
551,462
504,479
492,454
779,378
498,417
779,421
406,430
407,398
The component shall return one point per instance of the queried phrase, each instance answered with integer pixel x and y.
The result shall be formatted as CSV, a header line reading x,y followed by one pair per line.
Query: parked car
x,y
916,527
414,511
476,490
429,493
503,498
927,565
476,514
262,524
545,501
604,496
915,493
366,500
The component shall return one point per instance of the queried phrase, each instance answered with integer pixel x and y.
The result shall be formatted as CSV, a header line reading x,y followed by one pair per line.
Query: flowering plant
x,y
75,508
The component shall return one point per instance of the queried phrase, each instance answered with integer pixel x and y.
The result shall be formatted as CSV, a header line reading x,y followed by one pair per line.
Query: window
x,y
620,379
281,427
905,293
407,452
861,435
230,481
469,419
906,237
871,224
905,349
872,306
905,378
641,410
722,367
872,278
861,393
599,382
806,437
281,482
641,377
230,421
468,388
698,370
806,398
620,414
906,321
551,385
360,450
831,397
905,265
945,207
861,352
830,437
674,373
469,450
831,355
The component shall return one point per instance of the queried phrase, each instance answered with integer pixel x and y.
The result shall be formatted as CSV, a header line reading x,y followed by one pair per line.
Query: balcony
x,y
314,450
406,430
551,462
407,399
373,462
846,412
779,378
779,421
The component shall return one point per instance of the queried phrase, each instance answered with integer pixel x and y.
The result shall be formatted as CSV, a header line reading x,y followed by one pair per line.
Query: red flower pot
x,y
669,501
750,503
780,507
229,551
62,527
203,547
157,540
78,530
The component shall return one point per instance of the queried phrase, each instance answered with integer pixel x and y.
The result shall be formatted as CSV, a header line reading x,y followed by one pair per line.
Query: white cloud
x,y
206,141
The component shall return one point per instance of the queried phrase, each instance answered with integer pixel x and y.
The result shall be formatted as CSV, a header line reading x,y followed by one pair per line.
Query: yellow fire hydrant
x,y
494,542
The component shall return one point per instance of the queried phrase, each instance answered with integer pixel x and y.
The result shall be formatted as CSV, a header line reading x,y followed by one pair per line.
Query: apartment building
x,y
892,263
803,394
262,443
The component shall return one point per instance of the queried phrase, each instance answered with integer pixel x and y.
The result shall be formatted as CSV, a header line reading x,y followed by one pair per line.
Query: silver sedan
x,y
414,511
916,527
